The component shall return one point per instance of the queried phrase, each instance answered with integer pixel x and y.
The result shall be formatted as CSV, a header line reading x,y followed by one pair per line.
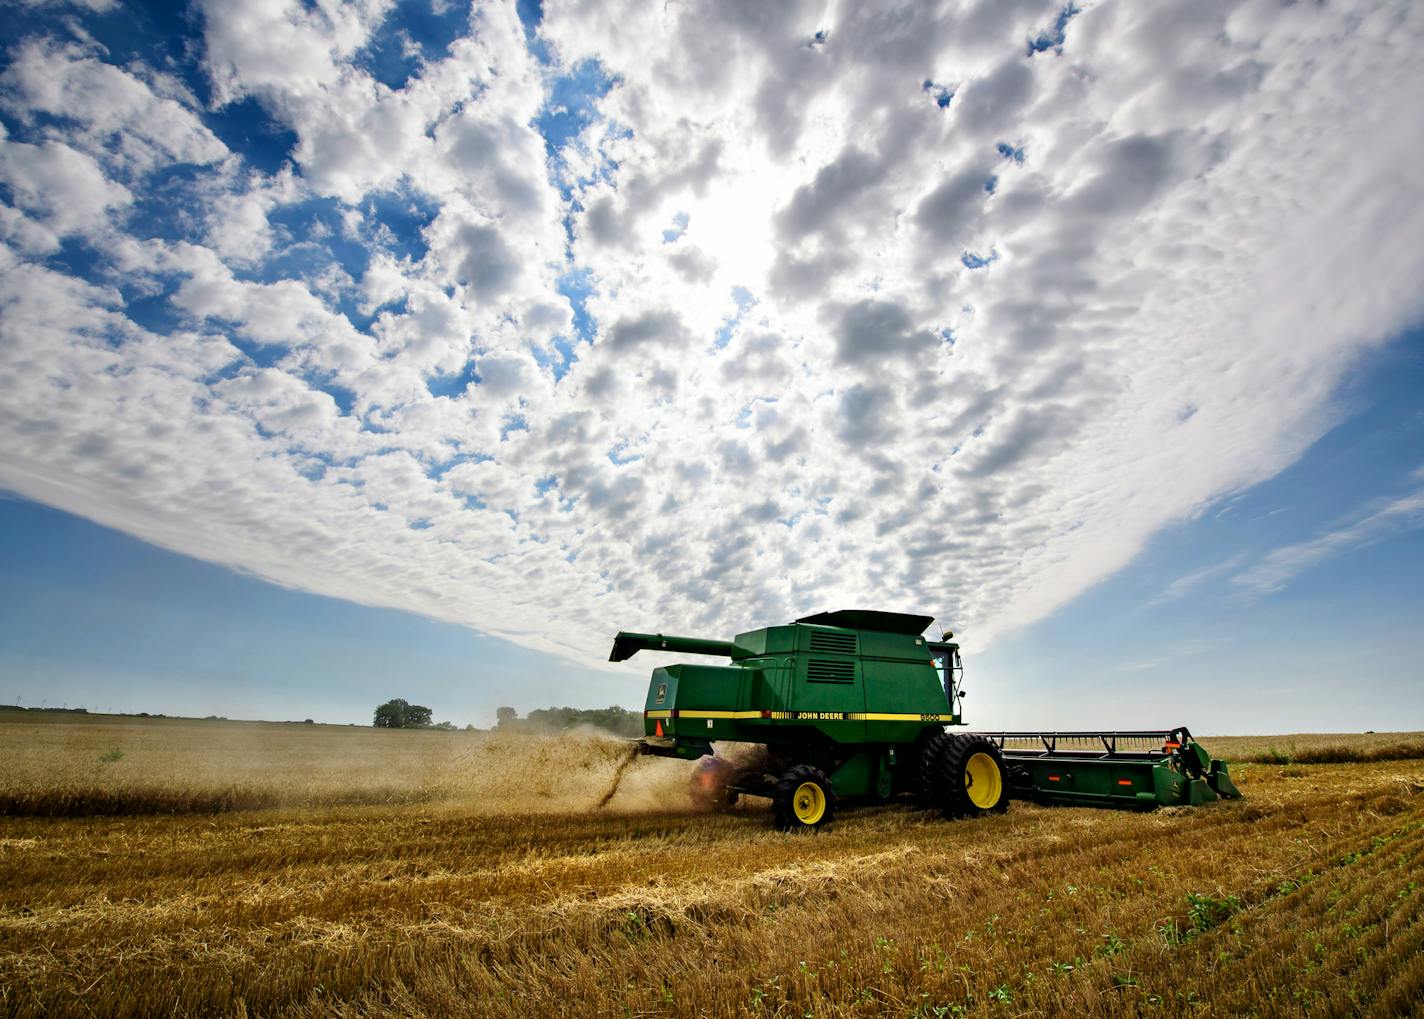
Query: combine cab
x,y
853,705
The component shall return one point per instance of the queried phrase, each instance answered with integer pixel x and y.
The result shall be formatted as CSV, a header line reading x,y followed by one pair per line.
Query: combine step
x,y
1140,770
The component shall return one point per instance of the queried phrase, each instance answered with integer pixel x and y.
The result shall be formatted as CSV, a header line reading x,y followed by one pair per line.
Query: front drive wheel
x,y
972,777
927,776
803,799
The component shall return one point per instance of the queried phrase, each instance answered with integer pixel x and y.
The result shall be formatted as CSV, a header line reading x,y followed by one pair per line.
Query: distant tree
x,y
392,714
401,714
505,717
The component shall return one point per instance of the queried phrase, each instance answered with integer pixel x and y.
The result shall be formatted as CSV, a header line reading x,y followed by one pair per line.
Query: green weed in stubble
x,y
103,761
1204,912
1112,946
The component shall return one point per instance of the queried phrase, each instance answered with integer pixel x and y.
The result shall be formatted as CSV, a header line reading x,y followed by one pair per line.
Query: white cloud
x,y
1192,581
1278,568
1207,228
93,5
271,47
63,190
237,225
116,116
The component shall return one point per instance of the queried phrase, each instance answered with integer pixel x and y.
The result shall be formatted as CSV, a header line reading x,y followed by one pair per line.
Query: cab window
x,y
941,664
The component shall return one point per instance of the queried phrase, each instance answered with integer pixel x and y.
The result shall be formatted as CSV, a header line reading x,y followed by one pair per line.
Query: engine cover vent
x,y
834,643
818,670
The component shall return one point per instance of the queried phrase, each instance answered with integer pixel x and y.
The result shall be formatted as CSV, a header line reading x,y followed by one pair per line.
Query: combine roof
x,y
870,619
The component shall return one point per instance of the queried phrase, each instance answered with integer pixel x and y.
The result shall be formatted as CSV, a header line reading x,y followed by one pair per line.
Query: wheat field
x,y
162,866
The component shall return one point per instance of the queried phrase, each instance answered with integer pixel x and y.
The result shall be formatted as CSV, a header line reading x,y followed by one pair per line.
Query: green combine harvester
x,y
853,705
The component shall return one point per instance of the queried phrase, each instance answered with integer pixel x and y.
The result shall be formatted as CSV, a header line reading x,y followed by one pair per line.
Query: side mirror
x,y
961,693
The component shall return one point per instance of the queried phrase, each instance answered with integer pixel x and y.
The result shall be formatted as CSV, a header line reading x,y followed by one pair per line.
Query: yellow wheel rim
x,y
982,781
809,803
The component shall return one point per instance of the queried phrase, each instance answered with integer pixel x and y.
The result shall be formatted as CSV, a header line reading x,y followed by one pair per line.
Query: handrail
x,y
1165,740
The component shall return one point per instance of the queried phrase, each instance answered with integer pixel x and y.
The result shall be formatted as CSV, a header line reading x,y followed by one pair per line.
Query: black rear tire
x,y
803,799
972,778
927,779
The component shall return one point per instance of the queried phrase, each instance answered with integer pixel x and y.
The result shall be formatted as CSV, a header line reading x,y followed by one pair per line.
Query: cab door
x,y
948,672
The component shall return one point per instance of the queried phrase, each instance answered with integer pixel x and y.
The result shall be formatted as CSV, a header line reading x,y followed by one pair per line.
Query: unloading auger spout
x,y
626,645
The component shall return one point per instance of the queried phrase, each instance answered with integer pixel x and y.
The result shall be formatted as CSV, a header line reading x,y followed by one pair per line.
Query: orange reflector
x,y
1124,781
1053,778
1171,746
658,731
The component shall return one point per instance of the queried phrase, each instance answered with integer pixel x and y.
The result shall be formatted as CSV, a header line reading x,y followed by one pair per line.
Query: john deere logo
x,y
662,693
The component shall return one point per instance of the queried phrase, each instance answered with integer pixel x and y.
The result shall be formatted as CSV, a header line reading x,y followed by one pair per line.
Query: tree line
x,y
401,714
619,721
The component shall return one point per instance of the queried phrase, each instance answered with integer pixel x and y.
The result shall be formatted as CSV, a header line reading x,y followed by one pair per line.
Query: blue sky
x,y
364,350
89,616
1335,649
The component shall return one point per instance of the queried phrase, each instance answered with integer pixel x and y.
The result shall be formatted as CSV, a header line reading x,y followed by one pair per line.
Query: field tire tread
x,y
953,797
783,810
927,779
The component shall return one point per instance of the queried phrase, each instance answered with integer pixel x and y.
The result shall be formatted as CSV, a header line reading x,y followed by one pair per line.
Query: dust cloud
x,y
618,777
111,765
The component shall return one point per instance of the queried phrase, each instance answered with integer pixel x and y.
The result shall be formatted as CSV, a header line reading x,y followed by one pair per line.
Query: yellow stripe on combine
x,y
853,716
718,714
875,717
